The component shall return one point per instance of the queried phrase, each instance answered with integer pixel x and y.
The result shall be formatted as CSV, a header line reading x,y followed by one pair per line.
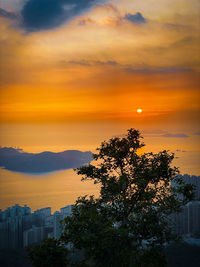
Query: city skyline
x,y
74,73
20,228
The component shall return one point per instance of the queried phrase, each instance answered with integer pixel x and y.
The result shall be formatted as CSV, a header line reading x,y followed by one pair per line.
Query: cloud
x,y
197,133
92,62
7,14
38,15
116,18
181,135
109,62
153,133
108,7
17,160
159,70
14,5
85,21
80,62
143,69
128,68
135,18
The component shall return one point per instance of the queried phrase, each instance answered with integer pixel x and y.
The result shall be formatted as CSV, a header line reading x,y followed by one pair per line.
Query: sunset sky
x,y
88,65
101,63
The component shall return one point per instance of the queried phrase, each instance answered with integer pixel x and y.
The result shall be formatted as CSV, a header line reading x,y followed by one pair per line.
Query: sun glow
x,y
139,110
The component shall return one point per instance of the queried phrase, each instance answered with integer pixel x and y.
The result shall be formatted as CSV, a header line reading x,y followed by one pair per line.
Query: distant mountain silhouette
x,y
17,160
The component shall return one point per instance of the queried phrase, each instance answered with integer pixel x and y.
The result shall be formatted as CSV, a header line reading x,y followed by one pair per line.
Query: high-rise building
x,y
45,211
20,228
194,218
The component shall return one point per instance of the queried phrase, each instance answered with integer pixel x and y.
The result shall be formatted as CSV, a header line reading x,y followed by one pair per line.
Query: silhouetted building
x,y
35,235
20,228
187,222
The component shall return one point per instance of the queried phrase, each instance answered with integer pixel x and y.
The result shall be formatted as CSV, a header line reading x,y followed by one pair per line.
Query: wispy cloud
x,y
6,14
178,135
158,70
183,151
129,68
92,62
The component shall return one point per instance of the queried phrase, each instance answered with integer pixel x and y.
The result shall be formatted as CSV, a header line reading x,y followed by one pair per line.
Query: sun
x,y
139,110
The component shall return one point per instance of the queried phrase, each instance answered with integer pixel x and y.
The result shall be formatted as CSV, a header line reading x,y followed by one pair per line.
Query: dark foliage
x,y
129,223
14,258
51,253
183,254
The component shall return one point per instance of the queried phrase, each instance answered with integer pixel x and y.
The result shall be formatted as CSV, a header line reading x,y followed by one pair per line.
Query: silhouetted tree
x,y
50,253
129,223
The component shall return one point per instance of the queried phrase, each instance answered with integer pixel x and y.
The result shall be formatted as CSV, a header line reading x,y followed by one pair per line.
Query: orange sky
x,y
101,65
105,67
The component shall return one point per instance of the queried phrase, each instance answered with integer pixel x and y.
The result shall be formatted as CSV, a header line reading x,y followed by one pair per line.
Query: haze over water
x,y
61,188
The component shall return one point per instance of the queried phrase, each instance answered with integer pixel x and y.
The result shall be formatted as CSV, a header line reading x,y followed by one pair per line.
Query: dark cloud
x,y
135,18
197,133
181,135
17,160
42,15
6,14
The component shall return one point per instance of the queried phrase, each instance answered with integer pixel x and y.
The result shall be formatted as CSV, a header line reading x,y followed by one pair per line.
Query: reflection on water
x,y
58,189
61,188
55,190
